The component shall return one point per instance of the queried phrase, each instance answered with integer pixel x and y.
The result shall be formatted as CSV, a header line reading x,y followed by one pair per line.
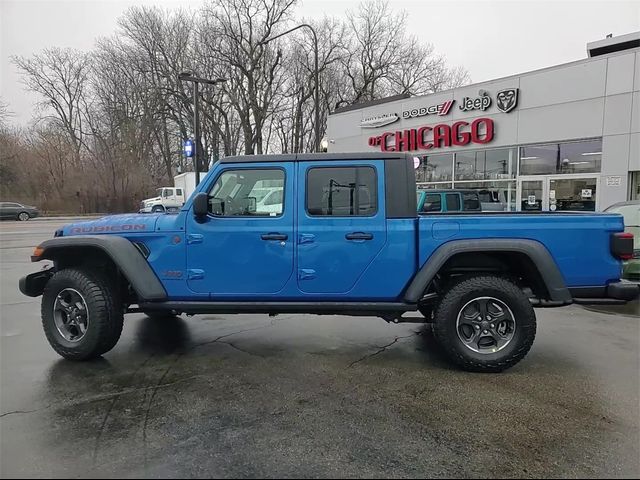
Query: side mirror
x,y
201,205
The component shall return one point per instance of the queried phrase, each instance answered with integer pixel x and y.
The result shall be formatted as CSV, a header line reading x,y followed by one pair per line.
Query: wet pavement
x,y
308,396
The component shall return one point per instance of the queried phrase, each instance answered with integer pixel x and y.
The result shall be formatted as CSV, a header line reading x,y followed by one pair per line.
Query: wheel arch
x,y
527,258
118,251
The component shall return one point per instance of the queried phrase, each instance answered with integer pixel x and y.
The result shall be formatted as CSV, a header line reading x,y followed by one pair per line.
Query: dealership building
x,y
562,138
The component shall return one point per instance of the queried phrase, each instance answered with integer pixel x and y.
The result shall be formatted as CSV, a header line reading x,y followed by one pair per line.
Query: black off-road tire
x,y
453,301
106,316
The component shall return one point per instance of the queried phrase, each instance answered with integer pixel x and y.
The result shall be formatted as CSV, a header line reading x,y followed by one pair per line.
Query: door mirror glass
x,y
200,205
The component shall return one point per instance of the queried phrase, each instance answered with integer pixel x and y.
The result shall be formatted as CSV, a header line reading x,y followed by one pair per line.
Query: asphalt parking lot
x,y
307,396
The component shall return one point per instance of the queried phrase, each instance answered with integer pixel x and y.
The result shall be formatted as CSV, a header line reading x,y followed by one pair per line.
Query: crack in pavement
x,y
98,398
383,348
173,364
16,412
96,446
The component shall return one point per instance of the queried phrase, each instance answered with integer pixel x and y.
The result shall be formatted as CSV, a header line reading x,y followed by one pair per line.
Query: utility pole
x,y
316,76
190,77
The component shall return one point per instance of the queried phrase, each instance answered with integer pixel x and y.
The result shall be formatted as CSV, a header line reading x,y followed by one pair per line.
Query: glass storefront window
x,y
494,196
435,168
580,157
434,186
485,165
572,157
539,160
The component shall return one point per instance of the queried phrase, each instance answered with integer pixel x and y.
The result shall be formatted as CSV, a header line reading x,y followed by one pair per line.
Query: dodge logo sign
x,y
507,99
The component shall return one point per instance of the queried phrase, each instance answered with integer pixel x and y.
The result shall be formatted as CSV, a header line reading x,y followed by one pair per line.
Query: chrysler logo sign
x,y
379,120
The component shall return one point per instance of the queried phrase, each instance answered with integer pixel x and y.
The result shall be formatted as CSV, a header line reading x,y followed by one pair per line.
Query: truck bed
x,y
572,238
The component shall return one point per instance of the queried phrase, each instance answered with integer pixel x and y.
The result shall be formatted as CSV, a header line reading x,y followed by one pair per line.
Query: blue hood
x,y
132,223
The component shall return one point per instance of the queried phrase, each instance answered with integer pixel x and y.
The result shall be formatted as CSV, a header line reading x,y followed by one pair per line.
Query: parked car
x,y
349,241
447,201
271,203
17,211
630,211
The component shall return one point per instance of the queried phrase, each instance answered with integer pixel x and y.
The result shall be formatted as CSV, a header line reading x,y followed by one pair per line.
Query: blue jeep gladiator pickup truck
x,y
342,237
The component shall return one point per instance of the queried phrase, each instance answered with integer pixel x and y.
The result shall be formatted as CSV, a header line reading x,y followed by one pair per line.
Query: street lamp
x,y
190,77
317,88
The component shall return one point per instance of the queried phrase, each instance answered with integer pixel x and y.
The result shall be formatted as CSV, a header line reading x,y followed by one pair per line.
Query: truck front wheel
x,y
485,324
81,314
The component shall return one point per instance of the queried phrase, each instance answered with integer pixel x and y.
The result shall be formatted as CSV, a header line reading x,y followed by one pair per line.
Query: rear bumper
x,y
615,293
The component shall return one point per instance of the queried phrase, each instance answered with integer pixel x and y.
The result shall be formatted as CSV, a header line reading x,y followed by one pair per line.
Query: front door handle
x,y
274,236
359,236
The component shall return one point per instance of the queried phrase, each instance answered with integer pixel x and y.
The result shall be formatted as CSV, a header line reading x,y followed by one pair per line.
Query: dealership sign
x,y
379,120
459,134
440,109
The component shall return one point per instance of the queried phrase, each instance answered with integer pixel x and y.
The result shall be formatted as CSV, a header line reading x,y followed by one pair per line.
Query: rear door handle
x,y
274,236
359,236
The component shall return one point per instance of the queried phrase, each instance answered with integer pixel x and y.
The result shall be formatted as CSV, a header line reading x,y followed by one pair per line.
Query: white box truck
x,y
171,199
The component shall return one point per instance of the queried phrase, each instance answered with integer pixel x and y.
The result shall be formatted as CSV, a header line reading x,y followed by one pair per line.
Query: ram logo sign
x,y
506,100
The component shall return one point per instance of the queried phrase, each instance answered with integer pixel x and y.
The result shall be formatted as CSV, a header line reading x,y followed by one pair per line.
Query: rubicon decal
x,y
109,228
480,131
441,109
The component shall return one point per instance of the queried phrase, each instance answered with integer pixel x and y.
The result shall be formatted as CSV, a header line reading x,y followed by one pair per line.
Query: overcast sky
x,y
491,39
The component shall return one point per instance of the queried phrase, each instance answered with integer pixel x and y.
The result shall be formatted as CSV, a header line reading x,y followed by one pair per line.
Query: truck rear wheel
x,y
81,314
485,324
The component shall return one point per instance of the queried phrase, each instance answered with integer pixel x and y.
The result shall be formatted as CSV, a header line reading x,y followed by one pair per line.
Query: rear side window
x,y
471,201
178,191
453,202
432,203
342,191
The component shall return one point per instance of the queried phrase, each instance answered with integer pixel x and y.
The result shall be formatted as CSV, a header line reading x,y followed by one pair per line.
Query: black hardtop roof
x,y
310,157
449,190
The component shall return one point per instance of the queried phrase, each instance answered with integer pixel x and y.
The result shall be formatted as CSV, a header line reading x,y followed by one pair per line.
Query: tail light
x,y
622,245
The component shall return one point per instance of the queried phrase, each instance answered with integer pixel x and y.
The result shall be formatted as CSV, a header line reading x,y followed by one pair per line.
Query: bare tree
x,y
60,77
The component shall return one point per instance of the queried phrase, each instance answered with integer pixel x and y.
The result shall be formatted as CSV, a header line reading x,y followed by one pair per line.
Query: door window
x,y
531,195
342,191
235,193
572,194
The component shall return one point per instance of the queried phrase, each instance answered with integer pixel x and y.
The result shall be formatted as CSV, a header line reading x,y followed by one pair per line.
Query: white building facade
x,y
562,138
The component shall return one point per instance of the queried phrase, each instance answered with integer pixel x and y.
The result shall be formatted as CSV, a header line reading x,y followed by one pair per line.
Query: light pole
x,y
317,88
190,77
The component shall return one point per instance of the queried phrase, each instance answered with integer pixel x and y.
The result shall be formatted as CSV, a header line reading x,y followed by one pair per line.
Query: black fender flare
x,y
537,252
124,254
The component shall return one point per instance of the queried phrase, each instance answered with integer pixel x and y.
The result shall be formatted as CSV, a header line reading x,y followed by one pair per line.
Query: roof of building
x,y
310,157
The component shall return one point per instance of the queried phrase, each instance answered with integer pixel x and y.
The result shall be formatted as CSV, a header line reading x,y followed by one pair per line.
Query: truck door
x,y
341,223
241,250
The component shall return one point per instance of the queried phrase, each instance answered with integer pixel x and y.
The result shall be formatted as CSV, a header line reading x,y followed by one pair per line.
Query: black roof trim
x,y
371,103
310,157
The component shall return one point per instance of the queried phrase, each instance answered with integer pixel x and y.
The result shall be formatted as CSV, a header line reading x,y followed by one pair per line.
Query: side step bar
x,y
326,308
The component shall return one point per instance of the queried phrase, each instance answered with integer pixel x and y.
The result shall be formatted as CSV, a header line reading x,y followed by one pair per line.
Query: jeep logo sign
x,y
479,103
